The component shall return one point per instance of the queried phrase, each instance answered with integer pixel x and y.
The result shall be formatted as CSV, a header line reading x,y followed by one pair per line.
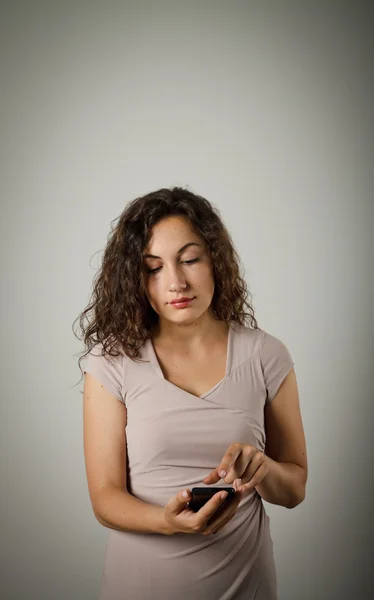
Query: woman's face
x,y
180,266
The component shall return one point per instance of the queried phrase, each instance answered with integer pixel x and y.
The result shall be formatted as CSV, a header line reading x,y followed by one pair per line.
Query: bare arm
x,y
285,484
117,509
105,450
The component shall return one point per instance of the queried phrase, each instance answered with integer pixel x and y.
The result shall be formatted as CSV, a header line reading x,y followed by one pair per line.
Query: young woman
x,y
183,389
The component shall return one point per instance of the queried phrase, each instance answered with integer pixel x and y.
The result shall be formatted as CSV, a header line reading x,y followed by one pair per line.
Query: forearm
x,y
116,508
283,485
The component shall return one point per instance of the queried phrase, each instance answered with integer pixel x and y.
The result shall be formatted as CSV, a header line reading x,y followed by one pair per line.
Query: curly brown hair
x,y
121,316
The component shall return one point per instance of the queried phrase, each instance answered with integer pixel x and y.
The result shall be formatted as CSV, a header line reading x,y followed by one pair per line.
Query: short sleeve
x,y
276,363
107,370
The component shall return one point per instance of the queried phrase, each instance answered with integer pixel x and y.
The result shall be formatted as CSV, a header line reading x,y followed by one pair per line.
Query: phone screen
x,y
201,495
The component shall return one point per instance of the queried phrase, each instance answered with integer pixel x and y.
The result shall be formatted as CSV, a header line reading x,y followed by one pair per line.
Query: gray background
x,y
265,109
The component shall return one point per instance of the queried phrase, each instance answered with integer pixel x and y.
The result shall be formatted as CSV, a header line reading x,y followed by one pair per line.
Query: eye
x,y
187,262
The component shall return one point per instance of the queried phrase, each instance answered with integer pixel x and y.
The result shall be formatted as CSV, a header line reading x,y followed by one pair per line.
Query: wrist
x,y
168,528
163,526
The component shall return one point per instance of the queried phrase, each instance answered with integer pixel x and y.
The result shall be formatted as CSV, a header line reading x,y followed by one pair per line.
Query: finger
x,y
222,516
237,485
176,503
230,504
210,507
229,459
239,467
242,463
226,508
233,463
252,467
213,477
255,480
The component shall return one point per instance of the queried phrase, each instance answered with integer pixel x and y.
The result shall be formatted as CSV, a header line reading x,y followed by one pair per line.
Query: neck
x,y
191,334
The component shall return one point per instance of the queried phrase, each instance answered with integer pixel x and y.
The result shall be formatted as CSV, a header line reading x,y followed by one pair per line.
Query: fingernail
x,y
222,473
185,494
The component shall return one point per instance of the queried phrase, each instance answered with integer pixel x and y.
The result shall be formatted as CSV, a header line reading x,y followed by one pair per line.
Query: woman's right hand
x,y
181,519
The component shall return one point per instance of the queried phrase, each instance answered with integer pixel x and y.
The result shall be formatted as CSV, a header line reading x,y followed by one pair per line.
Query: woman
x,y
180,391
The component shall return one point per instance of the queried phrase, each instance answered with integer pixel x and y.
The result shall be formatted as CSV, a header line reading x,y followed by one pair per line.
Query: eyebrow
x,y
179,251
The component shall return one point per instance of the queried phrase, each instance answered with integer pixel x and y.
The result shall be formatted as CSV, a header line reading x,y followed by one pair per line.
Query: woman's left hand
x,y
241,461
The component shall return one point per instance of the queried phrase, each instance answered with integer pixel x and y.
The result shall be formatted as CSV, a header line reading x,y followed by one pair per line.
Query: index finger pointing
x,y
229,459
213,477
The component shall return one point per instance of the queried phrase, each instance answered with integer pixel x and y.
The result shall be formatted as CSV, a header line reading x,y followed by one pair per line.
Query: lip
x,y
181,300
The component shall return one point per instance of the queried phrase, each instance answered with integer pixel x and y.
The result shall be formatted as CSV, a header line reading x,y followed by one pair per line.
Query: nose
x,y
177,281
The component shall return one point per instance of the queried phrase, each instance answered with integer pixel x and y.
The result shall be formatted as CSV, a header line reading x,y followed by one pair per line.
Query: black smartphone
x,y
201,495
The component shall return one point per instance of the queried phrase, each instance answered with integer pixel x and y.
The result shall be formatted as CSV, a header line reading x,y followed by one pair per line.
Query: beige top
x,y
174,440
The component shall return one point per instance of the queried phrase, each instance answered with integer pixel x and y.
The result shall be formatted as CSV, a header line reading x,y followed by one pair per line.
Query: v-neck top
x,y
155,362
173,440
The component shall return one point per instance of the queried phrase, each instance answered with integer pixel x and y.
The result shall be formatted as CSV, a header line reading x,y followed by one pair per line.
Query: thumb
x,y
177,502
